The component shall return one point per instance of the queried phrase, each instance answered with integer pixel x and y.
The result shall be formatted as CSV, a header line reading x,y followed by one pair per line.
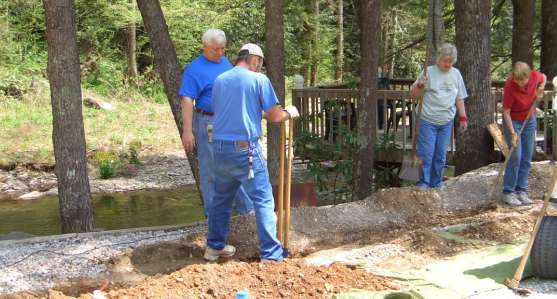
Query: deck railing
x,y
325,111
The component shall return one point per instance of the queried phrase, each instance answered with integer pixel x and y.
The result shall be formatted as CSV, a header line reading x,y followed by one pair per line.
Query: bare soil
x,y
290,279
295,279
178,271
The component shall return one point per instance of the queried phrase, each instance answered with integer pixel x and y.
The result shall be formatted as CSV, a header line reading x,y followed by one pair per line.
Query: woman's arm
x,y
416,90
509,123
461,112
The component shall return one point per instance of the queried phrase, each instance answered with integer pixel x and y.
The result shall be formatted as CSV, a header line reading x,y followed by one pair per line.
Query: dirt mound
x,y
415,205
429,243
290,279
503,230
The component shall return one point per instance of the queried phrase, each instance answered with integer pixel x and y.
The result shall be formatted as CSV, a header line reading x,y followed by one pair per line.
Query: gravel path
x,y
39,263
540,288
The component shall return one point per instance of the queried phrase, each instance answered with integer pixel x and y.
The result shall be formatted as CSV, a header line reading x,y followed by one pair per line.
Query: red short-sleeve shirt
x,y
520,99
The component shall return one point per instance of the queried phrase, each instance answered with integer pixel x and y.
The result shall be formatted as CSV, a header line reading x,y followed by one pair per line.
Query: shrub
x,y
133,152
108,164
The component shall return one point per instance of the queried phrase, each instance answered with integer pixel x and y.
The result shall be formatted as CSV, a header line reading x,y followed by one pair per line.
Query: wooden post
x,y
554,126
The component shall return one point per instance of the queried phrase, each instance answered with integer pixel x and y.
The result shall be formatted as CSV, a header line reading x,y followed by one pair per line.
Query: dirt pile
x,y
290,279
503,230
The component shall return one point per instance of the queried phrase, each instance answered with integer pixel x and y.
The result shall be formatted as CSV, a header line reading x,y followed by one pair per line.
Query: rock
x,y
12,188
52,192
41,184
16,236
7,165
128,170
31,195
97,104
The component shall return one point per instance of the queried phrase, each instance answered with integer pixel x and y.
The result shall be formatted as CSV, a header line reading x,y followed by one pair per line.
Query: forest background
x,y
311,29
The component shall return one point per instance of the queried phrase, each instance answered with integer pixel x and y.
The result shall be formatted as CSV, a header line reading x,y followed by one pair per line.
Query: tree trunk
x,y
523,30
166,64
475,147
76,209
340,41
309,42
314,60
548,60
132,45
370,14
436,28
274,47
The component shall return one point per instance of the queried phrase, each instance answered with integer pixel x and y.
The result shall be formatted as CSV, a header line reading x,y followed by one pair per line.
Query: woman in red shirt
x,y
519,95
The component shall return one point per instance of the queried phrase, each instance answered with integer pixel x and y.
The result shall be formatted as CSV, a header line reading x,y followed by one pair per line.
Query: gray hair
x,y
213,36
447,50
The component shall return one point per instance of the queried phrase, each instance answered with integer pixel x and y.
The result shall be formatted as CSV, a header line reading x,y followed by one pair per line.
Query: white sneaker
x,y
213,254
523,198
511,199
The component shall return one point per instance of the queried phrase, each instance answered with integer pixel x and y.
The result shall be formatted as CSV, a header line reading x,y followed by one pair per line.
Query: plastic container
x,y
97,294
242,295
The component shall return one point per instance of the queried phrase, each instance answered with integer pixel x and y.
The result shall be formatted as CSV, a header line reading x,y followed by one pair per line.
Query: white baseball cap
x,y
253,49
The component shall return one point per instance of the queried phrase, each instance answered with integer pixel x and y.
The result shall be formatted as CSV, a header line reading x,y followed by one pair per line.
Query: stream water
x,y
114,211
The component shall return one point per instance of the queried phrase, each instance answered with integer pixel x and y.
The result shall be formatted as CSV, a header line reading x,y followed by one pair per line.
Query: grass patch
x,y
26,129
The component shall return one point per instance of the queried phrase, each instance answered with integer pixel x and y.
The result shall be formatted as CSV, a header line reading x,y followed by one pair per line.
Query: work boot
x,y
213,254
511,199
523,198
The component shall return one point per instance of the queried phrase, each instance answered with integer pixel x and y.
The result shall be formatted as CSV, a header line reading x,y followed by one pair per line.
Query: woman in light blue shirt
x,y
443,96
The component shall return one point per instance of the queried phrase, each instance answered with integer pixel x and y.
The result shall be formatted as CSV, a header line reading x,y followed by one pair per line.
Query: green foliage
x,y
108,164
330,165
133,152
386,174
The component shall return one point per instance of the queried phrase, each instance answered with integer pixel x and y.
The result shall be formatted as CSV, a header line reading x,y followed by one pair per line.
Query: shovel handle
x,y
520,269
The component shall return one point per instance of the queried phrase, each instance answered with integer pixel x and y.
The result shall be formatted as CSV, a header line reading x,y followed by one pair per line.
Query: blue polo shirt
x,y
198,79
239,98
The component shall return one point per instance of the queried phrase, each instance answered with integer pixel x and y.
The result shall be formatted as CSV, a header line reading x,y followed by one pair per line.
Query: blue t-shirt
x,y
198,79
239,98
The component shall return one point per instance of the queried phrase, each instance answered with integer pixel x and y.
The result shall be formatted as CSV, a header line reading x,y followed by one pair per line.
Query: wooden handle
x,y
518,274
288,180
280,201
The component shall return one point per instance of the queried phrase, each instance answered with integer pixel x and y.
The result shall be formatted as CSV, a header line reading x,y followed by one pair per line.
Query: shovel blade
x,y
410,169
411,174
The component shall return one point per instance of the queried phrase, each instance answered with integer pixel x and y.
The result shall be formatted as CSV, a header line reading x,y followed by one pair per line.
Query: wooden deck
x,y
326,112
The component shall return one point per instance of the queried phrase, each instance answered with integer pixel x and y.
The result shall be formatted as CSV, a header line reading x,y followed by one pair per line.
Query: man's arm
x,y
188,140
277,114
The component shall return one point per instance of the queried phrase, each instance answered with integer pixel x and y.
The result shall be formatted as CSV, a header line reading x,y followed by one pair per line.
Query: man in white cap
x,y
240,96
197,85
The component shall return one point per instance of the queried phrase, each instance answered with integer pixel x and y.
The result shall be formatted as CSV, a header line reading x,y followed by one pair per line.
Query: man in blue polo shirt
x,y
240,96
197,84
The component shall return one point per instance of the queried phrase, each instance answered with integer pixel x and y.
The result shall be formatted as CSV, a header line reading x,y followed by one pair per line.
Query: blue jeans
x,y
231,172
205,159
432,144
518,166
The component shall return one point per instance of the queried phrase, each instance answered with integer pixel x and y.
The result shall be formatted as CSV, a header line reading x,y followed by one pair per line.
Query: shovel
x,y
514,282
285,188
510,152
411,164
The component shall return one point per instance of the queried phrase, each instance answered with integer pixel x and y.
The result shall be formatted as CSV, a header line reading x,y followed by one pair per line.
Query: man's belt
x,y
203,112
242,144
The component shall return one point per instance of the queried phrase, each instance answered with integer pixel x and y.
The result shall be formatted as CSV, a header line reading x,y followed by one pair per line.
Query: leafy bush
x,y
133,152
108,164
386,174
